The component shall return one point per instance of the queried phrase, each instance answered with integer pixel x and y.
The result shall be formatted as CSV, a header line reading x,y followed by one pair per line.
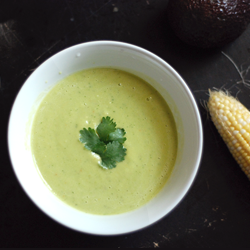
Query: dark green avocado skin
x,y
208,23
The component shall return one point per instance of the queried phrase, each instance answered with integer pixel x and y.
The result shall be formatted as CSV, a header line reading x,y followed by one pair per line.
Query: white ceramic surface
x,y
135,60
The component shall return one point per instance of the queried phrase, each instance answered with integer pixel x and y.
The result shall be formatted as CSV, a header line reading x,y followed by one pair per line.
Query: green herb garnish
x,y
106,141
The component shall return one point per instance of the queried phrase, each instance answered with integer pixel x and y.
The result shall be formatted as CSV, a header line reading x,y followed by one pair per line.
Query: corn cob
x,y
232,120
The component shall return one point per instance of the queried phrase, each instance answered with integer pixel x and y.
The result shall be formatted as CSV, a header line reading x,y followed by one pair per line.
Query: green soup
x,y
72,172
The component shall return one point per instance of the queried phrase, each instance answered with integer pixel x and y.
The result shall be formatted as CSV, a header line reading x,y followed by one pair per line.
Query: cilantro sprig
x,y
106,141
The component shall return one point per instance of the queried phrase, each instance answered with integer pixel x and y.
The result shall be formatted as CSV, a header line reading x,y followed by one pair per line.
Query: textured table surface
x,y
216,210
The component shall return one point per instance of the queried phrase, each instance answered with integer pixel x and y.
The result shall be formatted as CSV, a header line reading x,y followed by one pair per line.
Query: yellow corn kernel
x,y
232,120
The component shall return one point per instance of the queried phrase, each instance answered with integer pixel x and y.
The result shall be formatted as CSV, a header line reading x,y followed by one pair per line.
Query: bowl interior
x,y
134,60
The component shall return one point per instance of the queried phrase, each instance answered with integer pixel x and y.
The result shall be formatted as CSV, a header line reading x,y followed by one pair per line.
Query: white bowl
x,y
147,66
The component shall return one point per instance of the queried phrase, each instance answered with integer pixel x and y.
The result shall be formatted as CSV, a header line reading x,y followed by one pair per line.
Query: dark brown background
x,y
216,210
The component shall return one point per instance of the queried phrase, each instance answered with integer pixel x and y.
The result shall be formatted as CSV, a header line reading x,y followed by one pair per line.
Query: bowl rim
x,y
175,74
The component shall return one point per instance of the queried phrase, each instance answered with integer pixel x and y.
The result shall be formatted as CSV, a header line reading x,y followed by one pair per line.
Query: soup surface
x,y
72,172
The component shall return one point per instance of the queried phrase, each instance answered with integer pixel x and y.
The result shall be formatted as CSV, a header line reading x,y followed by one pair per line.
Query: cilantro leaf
x,y
106,141
107,163
91,140
115,153
106,127
89,137
99,148
117,135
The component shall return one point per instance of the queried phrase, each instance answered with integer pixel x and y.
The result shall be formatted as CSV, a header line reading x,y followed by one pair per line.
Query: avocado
x,y
208,23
